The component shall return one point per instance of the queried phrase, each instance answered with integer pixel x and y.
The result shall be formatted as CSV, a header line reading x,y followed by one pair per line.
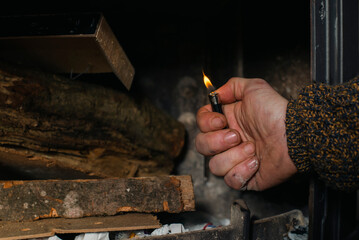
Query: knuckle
x,y
200,122
199,143
260,81
236,155
201,116
234,79
213,166
204,143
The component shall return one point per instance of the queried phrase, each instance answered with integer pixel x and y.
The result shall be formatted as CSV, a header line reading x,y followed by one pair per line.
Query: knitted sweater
x,y
322,127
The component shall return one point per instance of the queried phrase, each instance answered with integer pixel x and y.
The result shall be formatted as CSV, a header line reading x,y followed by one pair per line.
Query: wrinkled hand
x,y
251,153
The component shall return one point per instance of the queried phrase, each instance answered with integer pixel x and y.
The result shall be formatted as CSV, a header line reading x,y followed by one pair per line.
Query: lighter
x,y
213,96
216,105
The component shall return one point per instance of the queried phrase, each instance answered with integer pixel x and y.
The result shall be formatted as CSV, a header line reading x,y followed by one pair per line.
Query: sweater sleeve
x,y
322,127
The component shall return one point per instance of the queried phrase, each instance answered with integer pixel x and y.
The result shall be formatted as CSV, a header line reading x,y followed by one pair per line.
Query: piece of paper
x,y
54,238
93,236
169,229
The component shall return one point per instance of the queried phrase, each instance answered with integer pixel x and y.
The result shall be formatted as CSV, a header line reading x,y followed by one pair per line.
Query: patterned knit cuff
x,y
296,141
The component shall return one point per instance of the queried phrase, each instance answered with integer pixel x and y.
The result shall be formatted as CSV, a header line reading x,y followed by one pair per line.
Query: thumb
x,y
234,90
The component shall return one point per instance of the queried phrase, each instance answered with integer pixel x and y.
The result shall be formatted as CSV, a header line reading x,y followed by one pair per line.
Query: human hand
x,y
252,152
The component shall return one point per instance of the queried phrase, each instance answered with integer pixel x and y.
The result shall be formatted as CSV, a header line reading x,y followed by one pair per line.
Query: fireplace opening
x,y
170,45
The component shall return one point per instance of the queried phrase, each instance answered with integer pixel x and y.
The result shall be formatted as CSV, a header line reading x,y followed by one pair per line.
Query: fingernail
x,y
249,148
217,122
240,178
253,164
231,137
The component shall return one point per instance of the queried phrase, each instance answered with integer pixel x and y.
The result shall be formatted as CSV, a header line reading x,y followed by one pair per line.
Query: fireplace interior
x,y
170,44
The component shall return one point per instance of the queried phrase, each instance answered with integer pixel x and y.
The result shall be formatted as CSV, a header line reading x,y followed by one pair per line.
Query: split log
x,y
32,200
51,120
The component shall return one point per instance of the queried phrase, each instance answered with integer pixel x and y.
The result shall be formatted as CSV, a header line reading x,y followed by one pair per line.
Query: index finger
x,y
210,121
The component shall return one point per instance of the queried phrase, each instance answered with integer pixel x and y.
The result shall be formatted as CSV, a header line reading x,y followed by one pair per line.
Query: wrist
x,y
295,137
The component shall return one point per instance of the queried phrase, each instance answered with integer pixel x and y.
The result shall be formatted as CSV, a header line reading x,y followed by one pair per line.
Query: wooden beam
x,y
32,200
49,227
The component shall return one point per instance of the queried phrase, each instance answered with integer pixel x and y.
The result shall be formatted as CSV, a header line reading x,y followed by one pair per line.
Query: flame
x,y
207,82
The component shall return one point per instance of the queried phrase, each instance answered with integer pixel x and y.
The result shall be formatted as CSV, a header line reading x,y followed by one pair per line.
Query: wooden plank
x,y
115,55
65,43
32,200
49,227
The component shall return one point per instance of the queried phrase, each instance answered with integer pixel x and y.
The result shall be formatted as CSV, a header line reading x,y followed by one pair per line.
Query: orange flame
x,y
207,82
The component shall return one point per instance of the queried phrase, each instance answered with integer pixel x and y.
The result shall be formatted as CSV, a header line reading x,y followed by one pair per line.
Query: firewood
x,y
33,200
55,121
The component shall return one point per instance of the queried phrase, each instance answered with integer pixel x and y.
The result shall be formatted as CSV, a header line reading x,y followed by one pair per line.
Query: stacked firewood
x,y
51,121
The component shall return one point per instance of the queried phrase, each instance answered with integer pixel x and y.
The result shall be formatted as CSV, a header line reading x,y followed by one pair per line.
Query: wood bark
x,y
32,200
51,120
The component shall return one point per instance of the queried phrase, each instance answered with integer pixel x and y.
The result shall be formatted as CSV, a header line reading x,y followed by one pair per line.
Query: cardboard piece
x,y
50,227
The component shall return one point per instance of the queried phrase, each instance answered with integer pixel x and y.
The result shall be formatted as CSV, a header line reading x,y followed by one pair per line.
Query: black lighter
x,y
213,96
216,105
